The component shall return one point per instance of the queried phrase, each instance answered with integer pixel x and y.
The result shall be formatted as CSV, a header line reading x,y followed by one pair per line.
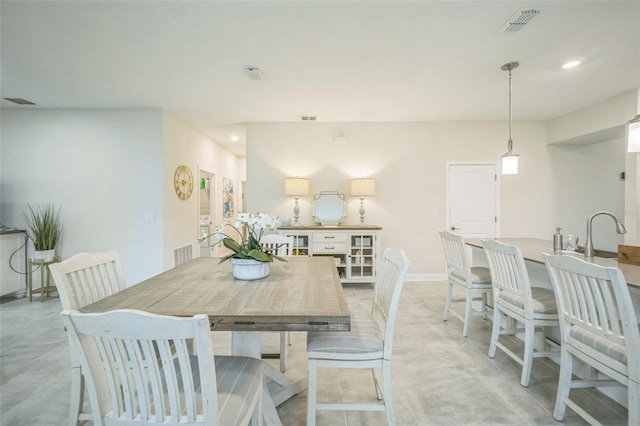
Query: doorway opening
x,y
206,210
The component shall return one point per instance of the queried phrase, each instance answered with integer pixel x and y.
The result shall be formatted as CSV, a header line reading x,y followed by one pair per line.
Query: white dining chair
x,y
529,307
81,280
282,246
279,245
368,345
474,281
182,254
139,370
598,328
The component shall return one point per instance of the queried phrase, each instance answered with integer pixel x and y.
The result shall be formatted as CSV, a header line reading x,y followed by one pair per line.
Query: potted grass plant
x,y
45,226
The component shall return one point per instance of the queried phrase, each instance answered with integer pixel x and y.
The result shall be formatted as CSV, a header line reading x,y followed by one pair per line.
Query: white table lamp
x,y
297,187
363,187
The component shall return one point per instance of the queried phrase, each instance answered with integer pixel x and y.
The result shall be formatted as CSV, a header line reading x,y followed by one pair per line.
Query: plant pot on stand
x,y
44,255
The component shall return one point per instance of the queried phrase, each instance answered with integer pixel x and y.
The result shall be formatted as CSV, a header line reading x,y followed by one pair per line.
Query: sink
x,y
600,253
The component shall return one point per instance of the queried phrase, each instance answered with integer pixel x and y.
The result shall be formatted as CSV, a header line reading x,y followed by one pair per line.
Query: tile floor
x,y
439,377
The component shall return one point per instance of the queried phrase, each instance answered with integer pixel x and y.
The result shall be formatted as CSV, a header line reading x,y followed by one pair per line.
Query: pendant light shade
x,y
510,158
510,164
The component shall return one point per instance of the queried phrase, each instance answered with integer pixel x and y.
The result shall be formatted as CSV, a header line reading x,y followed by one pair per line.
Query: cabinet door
x,y
362,256
301,242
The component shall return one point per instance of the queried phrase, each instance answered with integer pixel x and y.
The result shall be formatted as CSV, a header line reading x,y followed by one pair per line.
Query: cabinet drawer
x,y
330,237
329,247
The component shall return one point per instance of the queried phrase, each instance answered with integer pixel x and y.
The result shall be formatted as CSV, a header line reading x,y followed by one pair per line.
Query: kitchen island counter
x,y
533,248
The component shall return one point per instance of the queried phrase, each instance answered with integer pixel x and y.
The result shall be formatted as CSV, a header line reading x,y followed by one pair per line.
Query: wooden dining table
x,y
301,294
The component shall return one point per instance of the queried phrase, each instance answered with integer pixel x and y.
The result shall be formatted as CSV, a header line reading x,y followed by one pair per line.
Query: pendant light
x,y
510,159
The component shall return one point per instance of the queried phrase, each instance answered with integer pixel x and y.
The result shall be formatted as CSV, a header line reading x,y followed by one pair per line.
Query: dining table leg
x,y
281,387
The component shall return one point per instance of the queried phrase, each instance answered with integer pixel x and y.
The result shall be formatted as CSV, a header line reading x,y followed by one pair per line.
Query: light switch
x,y
150,218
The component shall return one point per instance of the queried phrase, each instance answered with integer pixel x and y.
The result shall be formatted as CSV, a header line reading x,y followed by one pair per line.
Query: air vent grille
x,y
19,101
308,118
518,21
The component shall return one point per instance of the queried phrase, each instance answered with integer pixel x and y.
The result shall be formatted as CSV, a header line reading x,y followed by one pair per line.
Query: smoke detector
x,y
253,73
518,21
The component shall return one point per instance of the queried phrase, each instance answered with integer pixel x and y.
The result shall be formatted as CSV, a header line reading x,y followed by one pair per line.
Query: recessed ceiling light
x,y
234,138
572,63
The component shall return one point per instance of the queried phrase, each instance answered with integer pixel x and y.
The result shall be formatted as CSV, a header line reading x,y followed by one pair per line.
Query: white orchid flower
x,y
247,246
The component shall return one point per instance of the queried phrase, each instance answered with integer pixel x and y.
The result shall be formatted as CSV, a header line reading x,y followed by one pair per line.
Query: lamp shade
x,y
633,134
363,187
296,186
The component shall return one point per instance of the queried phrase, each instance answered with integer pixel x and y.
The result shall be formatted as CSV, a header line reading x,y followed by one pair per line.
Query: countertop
x,y
8,231
533,248
331,227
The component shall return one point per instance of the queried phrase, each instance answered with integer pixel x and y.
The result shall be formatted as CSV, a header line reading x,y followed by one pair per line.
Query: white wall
x,y
609,115
604,122
104,167
632,192
587,180
110,170
408,162
183,144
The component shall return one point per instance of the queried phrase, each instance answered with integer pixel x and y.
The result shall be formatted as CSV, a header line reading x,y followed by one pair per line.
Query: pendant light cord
x,y
510,144
508,67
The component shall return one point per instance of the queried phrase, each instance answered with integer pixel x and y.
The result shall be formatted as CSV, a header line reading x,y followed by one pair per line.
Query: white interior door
x,y
473,199
206,210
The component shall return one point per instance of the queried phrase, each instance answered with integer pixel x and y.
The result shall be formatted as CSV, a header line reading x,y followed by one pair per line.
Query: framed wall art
x,y
227,198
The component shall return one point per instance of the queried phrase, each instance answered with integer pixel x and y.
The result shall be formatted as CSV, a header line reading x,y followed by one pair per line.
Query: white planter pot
x,y
45,255
249,269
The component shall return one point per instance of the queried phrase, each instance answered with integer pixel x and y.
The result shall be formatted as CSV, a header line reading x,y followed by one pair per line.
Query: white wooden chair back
x,y
279,245
595,300
509,273
81,280
182,254
386,294
282,246
87,277
138,368
366,346
455,254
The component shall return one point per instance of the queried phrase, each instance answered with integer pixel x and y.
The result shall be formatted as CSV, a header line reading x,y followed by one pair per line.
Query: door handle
x,y
453,228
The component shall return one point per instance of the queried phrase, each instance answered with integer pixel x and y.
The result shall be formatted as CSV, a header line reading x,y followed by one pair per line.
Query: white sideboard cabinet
x,y
355,249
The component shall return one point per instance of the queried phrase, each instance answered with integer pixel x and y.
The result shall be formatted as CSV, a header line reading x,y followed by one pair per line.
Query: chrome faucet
x,y
588,248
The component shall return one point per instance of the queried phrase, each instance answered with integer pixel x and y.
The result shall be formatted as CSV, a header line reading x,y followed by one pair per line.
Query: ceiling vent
x,y
19,101
340,140
308,118
518,21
